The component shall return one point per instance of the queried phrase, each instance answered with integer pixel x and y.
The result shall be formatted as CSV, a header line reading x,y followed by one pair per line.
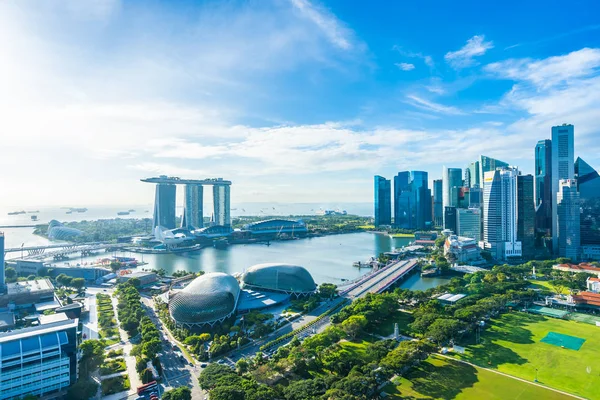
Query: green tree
x,y
10,273
135,282
444,329
212,373
92,355
180,393
77,283
82,390
327,290
242,366
354,325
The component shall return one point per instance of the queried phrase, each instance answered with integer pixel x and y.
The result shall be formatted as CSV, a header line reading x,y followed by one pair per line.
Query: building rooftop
x,y
451,298
38,330
7,320
251,299
578,267
47,305
48,319
39,285
179,181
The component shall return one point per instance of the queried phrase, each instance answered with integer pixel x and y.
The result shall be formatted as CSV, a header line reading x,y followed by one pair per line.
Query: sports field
x,y
513,346
440,378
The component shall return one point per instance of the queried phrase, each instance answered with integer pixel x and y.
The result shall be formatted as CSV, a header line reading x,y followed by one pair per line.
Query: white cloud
x,y
432,106
333,29
428,60
464,57
405,66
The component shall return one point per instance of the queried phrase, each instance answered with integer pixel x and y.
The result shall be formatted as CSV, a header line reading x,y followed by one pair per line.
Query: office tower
x,y
193,216
383,203
588,185
419,184
39,360
164,206
222,206
2,280
543,186
451,178
475,197
588,180
526,214
450,218
562,168
402,200
487,164
468,223
500,213
472,171
568,218
438,208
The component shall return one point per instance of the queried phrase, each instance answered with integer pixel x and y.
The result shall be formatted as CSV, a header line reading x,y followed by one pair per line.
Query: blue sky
x,y
293,100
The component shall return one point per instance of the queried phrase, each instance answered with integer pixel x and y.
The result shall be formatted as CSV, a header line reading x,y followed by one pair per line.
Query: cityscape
x,y
299,200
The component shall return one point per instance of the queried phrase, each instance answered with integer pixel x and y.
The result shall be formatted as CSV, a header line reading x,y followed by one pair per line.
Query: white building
x,y
500,213
568,219
468,223
563,167
462,249
593,285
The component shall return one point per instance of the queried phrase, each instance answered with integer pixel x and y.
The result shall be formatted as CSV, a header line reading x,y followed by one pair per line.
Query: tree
x,y
327,290
444,329
212,374
353,325
135,282
82,390
151,347
242,366
10,273
63,280
181,393
77,283
92,355
227,393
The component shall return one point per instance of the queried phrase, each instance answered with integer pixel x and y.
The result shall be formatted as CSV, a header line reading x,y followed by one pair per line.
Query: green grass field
x,y
512,345
547,285
386,327
358,349
440,378
402,235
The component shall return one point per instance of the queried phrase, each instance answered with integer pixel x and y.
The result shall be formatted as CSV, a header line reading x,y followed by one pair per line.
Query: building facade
x,y
543,186
438,208
422,199
450,218
451,178
526,214
193,215
2,281
468,223
383,203
473,172
402,200
222,206
568,219
563,167
164,206
500,213
38,361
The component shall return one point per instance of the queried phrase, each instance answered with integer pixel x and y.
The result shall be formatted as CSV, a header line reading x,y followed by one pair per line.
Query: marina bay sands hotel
x,y
193,211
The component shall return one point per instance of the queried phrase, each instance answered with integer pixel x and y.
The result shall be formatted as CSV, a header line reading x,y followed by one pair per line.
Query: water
x,y
327,258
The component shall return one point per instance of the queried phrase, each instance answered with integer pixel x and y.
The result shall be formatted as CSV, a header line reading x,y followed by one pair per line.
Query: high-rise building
x,y
468,223
472,171
526,214
422,199
588,185
475,197
438,208
222,206
500,213
450,218
451,178
383,202
543,186
563,167
2,281
164,206
568,218
38,361
193,216
487,164
402,200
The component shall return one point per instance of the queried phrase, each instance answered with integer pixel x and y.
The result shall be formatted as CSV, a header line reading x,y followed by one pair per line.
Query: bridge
x,y
62,250
380,280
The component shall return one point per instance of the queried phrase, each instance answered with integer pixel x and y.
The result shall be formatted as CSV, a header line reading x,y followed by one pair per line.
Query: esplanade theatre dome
x,y
291,279
208,299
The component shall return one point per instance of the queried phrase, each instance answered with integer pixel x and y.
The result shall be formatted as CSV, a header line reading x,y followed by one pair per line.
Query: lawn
x,y
402,235
386,328
358,349
115,385
512,345
440,378
548,286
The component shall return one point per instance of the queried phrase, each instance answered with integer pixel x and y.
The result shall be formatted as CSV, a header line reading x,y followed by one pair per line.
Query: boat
x,y
78,209
33,212
69,212
34,217
131,210
123,213
359,264
16,212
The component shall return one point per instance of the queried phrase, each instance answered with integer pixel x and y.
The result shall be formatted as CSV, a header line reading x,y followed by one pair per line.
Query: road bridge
x,y
61,250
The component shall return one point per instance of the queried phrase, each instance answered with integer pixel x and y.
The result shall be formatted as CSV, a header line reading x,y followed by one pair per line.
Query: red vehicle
x,y
147,386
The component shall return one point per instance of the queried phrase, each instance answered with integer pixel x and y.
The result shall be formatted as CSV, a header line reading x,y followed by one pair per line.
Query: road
x,y
90,323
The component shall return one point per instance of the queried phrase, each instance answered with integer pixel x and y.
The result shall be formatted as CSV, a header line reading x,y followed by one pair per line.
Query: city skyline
x,y
306,108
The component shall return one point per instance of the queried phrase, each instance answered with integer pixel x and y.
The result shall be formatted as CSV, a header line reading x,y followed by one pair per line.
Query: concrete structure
x,y
575,268
449,298
90,274
450,219
593,285
526,214
543,186
276,227
7,321
500,213
146,278
568,219
438,207
165,201
468,223
451,178
27,293
590,252
488,164
462,249
274,277
563,167
383,202
38,361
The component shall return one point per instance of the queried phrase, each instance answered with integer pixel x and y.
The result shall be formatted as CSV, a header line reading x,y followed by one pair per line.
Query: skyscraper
x,y
526,214
450,218
468,223
451,178
588,185
383,203
568,217
221,203
402,200
2,280
563,167
543,186
164,206
487,164
472,171
422,199
193,217
500,213
438,208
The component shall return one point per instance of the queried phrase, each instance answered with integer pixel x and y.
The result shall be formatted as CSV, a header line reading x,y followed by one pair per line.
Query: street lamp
x,y
536,379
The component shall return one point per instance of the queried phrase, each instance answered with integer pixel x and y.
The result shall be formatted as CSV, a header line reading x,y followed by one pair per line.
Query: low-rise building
x,y
593,285
462,249
146,278
585,299
27,293
575,268
90,274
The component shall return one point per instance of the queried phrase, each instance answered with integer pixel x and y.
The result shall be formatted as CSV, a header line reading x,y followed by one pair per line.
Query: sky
x,y
292,100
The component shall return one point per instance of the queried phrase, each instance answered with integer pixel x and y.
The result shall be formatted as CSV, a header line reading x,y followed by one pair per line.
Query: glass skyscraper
x,y
383,202
402,200
438,208
468,223
472,178
568,218
451,178
526,214
164,206
221,203
543,186
588,185
193,216
563,167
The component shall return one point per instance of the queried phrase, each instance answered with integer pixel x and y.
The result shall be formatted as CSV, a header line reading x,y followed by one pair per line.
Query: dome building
x,y
285,278
57,231
207,300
